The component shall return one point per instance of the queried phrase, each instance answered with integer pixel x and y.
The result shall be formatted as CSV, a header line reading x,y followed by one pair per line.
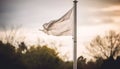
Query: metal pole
x,y
75,36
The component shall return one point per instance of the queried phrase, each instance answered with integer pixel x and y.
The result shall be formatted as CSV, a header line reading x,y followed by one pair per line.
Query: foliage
x,y
41,58
34,58
8,57
66,65
37,57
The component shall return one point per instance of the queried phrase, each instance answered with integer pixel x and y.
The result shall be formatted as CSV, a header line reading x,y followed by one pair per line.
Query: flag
x,y
60,27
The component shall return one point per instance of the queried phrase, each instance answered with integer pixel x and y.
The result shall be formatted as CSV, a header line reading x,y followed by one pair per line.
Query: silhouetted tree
x,y
41,58
66,65
94,64
10,34
106,47
9,58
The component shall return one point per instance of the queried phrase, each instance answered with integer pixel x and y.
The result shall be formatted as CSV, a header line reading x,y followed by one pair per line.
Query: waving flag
x,y
60,27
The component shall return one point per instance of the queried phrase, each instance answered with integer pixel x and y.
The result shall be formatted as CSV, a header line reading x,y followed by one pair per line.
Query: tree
x,y
66,65
105,46
108,48
9,58
11,35
41,58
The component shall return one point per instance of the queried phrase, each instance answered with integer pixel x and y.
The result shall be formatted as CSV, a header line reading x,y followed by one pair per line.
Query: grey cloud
x,y
8,9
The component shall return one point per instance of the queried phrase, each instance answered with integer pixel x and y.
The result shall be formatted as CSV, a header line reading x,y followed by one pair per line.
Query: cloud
x,y
106,14
110,1
98,3
109,14
29,12
110,11
1,14
5,11
103,1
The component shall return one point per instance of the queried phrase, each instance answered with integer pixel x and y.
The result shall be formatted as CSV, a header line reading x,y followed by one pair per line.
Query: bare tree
x,y
11,34
107,46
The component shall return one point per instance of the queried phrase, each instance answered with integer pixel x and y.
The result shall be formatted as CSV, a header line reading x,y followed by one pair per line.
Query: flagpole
x,y
75,36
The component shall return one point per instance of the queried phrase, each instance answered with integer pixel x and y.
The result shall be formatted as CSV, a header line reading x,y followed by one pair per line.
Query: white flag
x,y
62,26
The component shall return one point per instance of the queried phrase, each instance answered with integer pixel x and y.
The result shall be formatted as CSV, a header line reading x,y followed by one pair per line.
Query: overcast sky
x,y
34,13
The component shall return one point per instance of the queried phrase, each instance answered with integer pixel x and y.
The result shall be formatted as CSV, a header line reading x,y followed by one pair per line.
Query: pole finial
x,y
75,1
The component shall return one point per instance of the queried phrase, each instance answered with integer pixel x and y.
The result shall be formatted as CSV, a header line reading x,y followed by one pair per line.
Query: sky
x,y
94,17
